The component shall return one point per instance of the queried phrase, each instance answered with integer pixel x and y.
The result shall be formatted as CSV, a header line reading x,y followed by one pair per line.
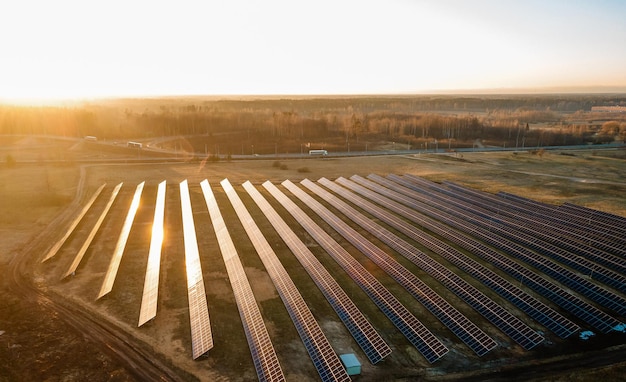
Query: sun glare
x,y
65,53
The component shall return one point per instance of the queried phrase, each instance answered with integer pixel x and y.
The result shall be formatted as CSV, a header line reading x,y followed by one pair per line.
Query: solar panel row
x,y
323,356
454,320
531,306
558,295
151,284
572,214
604,223
415,332
201,336
618,223
365,335
589,242
579,216
114,264
485,229
55,248
83,249
544,241
529,203
263,354
496,314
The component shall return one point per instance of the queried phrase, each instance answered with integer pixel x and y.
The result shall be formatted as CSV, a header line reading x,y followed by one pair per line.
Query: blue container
x,y
352,365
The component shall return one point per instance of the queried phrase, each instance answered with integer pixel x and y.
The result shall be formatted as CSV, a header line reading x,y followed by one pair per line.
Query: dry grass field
x,y
38,199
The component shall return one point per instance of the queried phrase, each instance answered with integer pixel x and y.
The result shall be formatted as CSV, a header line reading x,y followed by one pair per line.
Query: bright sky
x,y
81,48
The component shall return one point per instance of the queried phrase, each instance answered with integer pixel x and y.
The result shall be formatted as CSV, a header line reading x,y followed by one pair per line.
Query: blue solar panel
x,y
321,352
485,230
597,245
414,331
567,301
365,335
263,354
497,315
466,330
531,234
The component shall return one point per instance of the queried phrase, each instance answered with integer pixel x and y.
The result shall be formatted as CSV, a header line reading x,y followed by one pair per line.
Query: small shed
x,y
352,365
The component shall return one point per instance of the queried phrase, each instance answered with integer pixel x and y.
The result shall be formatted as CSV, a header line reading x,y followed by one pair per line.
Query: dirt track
x,y
102,351
121,347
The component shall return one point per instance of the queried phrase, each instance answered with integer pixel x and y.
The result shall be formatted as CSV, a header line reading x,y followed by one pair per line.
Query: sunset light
x,y
408,189
69,49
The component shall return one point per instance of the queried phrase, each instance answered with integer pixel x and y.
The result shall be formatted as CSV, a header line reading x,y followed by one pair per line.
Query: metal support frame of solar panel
x,y
454,320
536,239
453,231
150,295
498,316
484,229
578,251
559,219
545,315
55,248
94,230
114,264
261,348
414,331
201,336
374,347
323,356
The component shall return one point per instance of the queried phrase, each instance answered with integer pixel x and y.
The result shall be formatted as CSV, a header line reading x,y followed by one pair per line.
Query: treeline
x,y
421,119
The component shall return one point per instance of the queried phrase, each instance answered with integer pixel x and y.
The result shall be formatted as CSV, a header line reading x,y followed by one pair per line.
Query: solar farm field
x,y
425,267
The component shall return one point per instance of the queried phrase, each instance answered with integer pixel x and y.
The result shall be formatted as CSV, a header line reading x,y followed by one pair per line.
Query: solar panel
x,y
613,223
594,244
263,354
497,315
415,332
454,320
545,240
201,337
362,331
324,358
55,248
502,238
151,283
567,301
92,234
109,278
531,306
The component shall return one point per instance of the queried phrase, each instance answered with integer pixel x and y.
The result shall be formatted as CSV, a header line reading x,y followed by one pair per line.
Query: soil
x,y
55,330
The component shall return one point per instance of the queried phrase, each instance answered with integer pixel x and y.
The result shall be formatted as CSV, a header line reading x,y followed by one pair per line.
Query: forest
x,y
342,123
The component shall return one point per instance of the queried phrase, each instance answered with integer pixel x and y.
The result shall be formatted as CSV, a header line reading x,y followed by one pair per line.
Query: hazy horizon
x,y
70,49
